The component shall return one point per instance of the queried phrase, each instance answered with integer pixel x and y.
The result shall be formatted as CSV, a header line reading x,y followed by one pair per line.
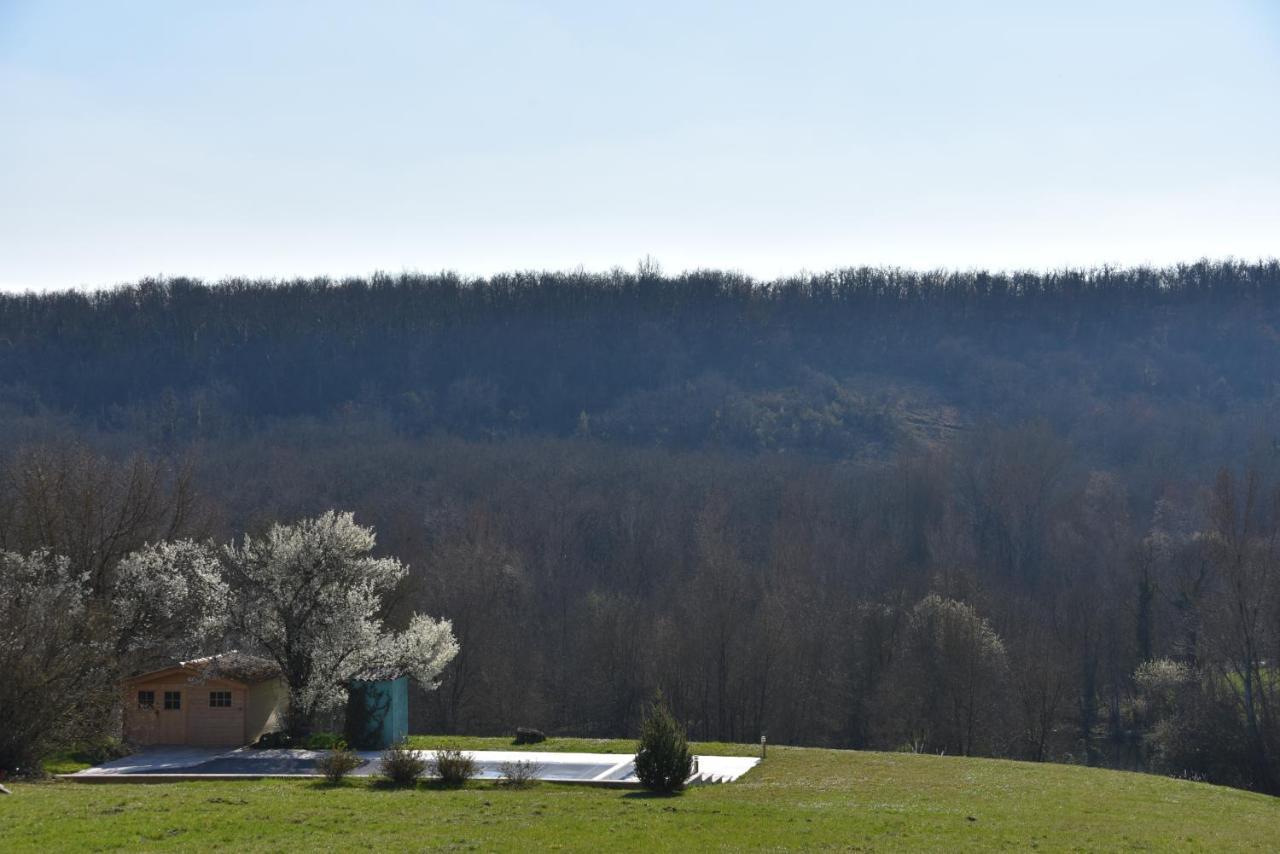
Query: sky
x,y
272,139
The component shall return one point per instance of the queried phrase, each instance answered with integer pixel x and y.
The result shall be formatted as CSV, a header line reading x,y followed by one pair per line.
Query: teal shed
x,y
377,710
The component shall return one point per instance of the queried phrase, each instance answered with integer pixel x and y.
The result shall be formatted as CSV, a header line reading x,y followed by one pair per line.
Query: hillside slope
x,y
846,364
799,798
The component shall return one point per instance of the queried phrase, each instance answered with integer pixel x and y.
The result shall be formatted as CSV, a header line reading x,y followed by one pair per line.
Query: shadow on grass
x,y
382,784
323,785
437,786
656,796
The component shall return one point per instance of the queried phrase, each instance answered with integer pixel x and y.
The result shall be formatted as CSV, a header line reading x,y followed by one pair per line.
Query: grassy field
x,y
799,798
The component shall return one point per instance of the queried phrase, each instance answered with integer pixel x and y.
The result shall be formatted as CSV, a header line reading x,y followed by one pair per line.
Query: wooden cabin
x,y
219,701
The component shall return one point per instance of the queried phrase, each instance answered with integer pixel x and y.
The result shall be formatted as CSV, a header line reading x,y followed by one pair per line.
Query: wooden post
x,y
764,746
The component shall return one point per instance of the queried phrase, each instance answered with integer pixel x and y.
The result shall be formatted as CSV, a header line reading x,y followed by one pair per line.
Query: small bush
x,y
453,767
273,740
663,762
521,774
280,739
402,765
338,763
529,735
325,741
102,750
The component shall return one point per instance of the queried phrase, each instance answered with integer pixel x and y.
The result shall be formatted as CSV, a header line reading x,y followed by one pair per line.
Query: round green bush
x,y
663,762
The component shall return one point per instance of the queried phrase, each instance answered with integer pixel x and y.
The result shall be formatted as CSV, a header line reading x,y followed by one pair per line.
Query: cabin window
x,y
173,700
220,699
146,699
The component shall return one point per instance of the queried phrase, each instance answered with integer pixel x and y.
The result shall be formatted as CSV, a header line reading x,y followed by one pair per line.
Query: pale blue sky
x,y
282,139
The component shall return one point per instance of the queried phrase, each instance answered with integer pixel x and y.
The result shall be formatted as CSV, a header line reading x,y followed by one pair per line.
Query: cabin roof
x,y
233,666
378,673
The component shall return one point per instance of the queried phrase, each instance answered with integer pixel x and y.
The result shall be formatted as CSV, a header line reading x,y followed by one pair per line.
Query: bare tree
x,y
93,510
1243,543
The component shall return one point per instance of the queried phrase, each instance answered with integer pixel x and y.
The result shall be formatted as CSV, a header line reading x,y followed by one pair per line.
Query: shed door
x,y
215,714
171,704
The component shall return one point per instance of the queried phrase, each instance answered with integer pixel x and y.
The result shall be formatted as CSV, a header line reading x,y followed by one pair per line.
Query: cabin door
x,y
171,705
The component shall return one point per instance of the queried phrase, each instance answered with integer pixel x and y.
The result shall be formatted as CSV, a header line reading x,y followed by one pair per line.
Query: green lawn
x,y
67,762
799,798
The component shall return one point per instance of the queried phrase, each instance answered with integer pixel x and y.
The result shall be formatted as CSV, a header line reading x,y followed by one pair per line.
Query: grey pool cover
x,y
305,766
600,768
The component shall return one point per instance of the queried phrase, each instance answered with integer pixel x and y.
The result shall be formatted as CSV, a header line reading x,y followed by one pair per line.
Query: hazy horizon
x,y
625,268
257,140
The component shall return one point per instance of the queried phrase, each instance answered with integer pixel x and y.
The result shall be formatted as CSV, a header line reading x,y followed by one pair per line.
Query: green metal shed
x,y
377,710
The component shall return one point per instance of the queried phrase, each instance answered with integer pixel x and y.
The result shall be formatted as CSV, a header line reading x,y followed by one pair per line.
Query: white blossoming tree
x,y
63,642
170,600
309,596
52,657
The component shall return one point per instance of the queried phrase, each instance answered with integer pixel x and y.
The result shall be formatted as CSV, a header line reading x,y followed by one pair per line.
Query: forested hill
x,y
847,364
1031,516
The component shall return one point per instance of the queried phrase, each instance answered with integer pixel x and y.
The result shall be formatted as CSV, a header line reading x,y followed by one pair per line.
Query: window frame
x,y
219,699
146,699
173,701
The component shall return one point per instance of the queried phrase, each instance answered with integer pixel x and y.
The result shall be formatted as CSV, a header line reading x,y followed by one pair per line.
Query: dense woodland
x,y
1027,515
